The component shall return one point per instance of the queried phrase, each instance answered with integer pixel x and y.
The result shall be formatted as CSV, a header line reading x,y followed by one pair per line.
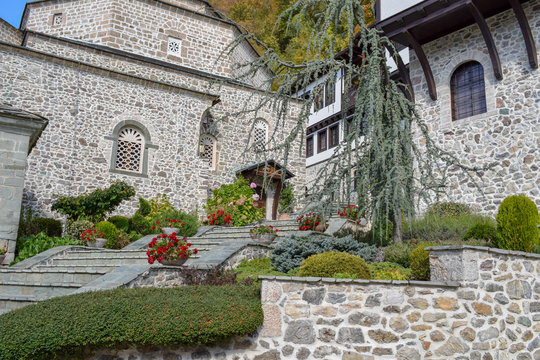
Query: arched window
x,y
130,150
131,141
468,91
207,150
260,134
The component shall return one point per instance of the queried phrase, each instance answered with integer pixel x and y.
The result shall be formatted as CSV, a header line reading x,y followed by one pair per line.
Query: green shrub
x,y
517,223
141,224
330,263
73,326
381,234
96,205
30,224
191,224
482,231
51,227
389,271
292,250
399,253
435,228
29,246
420,262
110,232
144,207
121,223
286,200
236,200
536,249
449,209
74,229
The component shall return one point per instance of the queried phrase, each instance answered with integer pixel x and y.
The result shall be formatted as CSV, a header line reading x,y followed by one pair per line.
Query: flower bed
x,y
74,326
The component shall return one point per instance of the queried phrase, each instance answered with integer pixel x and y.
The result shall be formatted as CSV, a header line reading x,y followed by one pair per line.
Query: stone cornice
x,y
20,122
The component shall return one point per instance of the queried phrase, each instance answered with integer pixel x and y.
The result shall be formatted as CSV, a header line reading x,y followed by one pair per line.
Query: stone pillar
x,y
19,131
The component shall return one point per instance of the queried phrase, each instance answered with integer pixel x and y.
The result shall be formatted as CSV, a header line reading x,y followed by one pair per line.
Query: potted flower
x,y
169,250
2,254
311,221
94,238
264,234
219,218
359,222
168,226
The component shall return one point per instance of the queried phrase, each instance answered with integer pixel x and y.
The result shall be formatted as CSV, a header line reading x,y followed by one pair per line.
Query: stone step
x,y
91,261
37,290
50,276
8,303
77,268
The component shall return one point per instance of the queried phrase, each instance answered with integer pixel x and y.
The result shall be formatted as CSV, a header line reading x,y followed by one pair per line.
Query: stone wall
x,y
142,27
494,314
85,98
508,134
9,34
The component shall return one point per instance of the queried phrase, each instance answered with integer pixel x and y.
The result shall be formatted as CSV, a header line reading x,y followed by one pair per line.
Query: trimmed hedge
x,y
517,222
330,263
420,262
73,326
121,223
110,232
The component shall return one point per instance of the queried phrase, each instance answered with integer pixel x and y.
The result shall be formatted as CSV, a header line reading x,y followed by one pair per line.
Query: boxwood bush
x,y
331,263
292,250
72,327
517,222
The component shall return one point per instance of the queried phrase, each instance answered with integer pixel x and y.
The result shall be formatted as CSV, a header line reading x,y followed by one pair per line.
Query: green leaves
x,y
69,327
96,205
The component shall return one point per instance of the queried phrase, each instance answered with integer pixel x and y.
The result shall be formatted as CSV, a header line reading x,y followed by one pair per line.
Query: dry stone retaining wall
x,y
494,314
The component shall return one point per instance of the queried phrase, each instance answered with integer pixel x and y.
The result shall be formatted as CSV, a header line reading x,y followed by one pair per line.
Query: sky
x,y
11,11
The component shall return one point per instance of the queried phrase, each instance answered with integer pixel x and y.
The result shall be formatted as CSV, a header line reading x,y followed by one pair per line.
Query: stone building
x,y
129,90
472,69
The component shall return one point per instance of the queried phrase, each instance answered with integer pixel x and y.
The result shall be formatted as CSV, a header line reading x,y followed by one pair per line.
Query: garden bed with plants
x,y
74,326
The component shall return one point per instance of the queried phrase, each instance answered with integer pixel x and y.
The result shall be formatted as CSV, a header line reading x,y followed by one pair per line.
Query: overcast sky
x,y
11,11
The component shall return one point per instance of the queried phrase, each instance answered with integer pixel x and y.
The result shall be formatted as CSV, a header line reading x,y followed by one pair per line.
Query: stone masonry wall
x,y
84,105
141,27
13,151
9,34
496,316
508,135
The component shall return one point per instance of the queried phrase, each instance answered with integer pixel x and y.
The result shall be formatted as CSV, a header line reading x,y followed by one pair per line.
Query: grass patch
x,y
256,268
72,327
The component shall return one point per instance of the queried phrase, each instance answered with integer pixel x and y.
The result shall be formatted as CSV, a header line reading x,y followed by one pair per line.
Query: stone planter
x,y
364,226
98,243
2,257
321,227
265,238
169,230
174,262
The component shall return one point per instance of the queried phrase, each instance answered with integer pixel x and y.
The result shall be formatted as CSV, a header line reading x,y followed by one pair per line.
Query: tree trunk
x,y
398,229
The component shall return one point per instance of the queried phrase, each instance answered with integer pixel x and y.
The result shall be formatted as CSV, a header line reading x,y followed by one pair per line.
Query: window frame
x,y
470,94
320,148
114,151
310,140
333,130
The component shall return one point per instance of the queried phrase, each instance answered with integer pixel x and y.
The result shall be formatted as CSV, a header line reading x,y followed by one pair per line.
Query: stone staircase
x,y
70,269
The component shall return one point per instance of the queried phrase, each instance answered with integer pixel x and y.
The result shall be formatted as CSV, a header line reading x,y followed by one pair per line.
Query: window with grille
x,y
129,150
323,141
333,139
309,146
58,19
468,91
174,46
260,135
207,146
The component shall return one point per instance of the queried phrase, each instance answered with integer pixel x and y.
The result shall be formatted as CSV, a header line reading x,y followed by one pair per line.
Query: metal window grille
x,y
468,91
260,135
129,150
207,149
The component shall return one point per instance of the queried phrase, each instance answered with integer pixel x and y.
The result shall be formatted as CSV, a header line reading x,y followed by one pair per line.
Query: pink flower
x,y
256,197
215,186
230,204
253,185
